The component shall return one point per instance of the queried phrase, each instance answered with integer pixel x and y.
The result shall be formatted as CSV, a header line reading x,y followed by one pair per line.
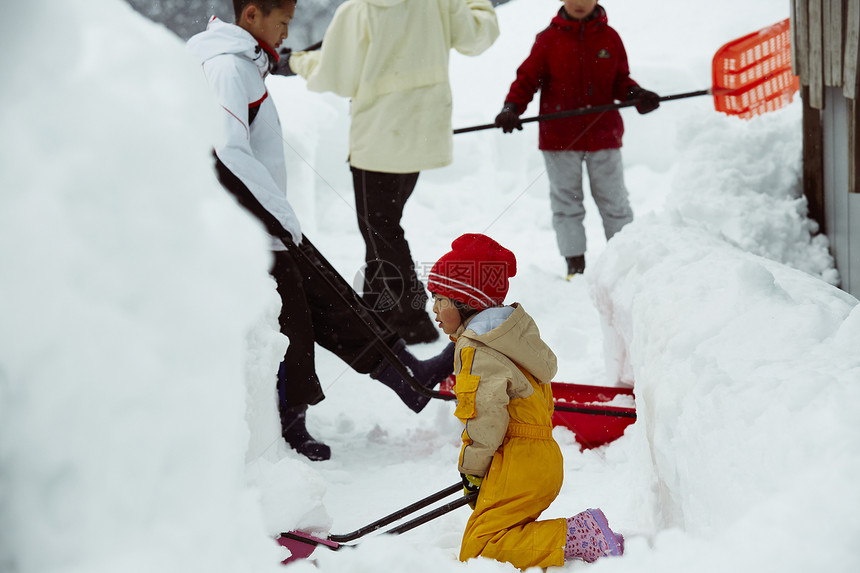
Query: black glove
x,y
648,101
282,66
509,119
471,484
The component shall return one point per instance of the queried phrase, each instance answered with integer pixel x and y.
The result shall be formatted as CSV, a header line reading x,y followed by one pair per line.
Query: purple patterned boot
x,y
589,537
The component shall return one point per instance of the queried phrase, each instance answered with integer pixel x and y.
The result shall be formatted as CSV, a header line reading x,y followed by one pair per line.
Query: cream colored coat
x,y
391,58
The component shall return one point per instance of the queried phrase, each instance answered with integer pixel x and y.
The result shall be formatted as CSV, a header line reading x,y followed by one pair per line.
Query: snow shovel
x,y
617,418
584,111
301,544
751,75
370,320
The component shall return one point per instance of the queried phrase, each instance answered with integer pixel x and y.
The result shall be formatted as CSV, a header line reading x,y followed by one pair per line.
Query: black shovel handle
x,y
370,321
585,111
391,518
593,411
337,540
430,515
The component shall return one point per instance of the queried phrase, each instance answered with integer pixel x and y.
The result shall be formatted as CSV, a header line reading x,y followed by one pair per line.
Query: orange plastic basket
x,y
752,75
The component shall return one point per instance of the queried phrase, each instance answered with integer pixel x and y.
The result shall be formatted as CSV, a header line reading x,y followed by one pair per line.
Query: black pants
x,y
312,311
391,285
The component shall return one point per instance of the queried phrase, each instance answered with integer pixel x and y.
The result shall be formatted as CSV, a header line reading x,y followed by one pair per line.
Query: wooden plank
x,y
851,276
852,46
792,18
826,52
801,21
853,153
838,26
833,39
813,162
834,120
816,55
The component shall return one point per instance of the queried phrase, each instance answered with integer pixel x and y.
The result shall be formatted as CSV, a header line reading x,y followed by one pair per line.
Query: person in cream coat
x,y
390,57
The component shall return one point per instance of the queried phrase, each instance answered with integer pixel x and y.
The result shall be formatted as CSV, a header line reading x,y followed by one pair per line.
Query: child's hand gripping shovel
x,y
751,75
301,544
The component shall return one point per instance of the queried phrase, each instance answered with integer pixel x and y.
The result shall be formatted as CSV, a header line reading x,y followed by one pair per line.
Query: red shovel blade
x,y
593,424
301,545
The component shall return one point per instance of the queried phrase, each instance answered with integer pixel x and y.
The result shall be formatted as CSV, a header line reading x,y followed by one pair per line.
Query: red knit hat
x,y
475,272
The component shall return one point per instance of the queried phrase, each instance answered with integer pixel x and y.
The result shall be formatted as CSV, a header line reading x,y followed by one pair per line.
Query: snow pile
x,y
134,301
748,395
742,182
129,281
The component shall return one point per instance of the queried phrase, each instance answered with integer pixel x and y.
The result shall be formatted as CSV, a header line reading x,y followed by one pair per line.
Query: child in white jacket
x,y
236,59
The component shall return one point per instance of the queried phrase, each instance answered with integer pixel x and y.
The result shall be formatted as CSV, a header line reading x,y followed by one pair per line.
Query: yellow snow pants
x,y
524,478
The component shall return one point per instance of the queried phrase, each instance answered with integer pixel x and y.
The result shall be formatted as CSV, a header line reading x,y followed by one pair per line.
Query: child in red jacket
x,y
579,61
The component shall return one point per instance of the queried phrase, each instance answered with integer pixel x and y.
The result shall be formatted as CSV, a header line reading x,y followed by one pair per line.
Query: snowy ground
x,y
134,302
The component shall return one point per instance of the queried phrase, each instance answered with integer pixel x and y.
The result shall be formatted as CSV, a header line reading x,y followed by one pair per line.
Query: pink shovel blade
x,y
301,544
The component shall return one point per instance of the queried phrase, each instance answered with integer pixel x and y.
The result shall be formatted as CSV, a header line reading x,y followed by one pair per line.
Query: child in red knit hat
x,y
504,397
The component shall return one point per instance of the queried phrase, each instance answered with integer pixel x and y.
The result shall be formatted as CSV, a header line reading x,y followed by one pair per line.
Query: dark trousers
x,y
391,285
312,311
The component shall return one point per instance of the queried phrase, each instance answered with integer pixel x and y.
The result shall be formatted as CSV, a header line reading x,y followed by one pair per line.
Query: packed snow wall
x,y
729,350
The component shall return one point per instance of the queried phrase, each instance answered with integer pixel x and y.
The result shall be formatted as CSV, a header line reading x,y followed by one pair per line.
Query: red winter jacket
x,y
575,64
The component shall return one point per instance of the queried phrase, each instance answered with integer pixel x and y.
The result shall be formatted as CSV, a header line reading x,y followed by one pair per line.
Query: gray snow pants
x,y
606,176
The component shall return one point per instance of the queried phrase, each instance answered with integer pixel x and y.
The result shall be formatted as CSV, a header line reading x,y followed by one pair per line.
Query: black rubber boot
x,y
428,372
575,265
295,432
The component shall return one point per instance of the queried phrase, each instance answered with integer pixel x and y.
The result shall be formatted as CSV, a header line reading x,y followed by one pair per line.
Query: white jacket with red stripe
x,y
236,66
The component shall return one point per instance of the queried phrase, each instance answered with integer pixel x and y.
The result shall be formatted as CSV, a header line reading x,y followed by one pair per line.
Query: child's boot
x,y
295,432
428,373
589,537
575,265
293,424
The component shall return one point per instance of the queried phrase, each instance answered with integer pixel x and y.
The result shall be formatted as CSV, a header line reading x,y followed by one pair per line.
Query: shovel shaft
x,y
441,510
391,518
369,320
585,110
593,411
298,541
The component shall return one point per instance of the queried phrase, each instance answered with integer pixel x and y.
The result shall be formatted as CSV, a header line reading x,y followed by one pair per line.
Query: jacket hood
x,y
512,332
221,38
599,19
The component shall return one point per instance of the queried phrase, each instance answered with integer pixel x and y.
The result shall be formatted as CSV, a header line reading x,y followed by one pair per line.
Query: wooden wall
x,y
825,53
825,46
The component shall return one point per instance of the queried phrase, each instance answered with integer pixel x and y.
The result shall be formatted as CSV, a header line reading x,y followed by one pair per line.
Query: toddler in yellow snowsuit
x,y
504,397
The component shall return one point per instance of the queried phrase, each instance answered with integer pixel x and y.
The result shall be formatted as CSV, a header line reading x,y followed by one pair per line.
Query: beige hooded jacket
x,y
492,348
391,58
